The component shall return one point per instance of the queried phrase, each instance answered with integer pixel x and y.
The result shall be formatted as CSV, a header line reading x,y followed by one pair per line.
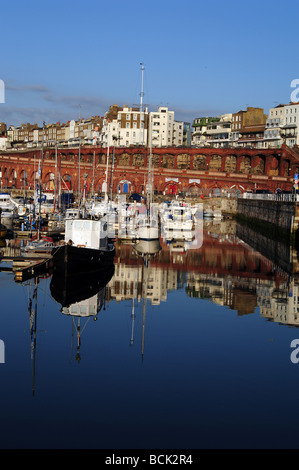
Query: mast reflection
x,y
81,296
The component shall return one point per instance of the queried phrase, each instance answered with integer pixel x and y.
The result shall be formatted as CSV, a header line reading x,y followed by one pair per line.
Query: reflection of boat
x,y
149,247
208,214
79,286
86,245
82,296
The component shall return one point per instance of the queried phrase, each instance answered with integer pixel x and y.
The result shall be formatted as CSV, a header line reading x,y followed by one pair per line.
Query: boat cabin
x,y
86,233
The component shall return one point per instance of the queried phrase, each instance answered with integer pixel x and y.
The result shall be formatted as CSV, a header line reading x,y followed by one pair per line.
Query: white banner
x,y
172,179
194,181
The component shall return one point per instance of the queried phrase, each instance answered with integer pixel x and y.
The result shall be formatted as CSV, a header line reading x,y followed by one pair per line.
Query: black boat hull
x,y
79,286
71,258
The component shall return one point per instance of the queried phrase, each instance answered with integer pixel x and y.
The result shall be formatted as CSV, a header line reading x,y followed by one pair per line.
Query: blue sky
x,y
201,57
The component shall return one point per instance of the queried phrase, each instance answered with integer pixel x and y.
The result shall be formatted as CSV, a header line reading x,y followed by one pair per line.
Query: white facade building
x,y
274,123
128,129
289,130
3,143
218,133
161,124
165,131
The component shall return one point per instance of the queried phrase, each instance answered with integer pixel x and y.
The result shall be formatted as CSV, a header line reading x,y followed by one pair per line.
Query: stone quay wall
x,y
280,214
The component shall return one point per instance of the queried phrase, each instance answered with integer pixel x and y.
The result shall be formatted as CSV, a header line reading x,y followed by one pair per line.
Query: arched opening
x,y
171,188
49,181
245,165
194,190
230,164
258,165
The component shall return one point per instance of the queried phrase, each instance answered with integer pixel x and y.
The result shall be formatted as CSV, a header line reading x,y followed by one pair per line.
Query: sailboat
x,y
148,226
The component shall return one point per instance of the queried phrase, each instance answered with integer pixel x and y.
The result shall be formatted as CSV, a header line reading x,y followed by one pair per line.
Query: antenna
x,y
141,138
141,93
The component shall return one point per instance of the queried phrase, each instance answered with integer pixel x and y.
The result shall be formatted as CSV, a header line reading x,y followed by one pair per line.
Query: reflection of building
x,y
280,304
128,283
226,291
277,301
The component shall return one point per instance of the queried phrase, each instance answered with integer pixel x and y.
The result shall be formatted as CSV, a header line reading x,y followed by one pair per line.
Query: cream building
x,y
274,123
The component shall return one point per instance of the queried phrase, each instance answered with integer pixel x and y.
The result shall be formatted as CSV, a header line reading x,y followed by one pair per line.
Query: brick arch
x,y
183,161
48,180
245,164
230,165
194,189
124,159
171,187
123,184
199,162
258,165
273,165
88,157
215,162
168,160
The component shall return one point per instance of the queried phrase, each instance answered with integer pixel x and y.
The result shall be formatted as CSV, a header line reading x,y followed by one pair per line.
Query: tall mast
x,y
79,199
141,107
107,162
149,186
41,181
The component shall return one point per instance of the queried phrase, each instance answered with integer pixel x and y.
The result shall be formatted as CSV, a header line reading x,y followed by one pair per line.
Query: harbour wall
x,y
276,219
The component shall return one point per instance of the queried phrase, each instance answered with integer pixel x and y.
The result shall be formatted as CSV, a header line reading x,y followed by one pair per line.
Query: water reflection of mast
x,y
145,268
33,322
148,250
133,320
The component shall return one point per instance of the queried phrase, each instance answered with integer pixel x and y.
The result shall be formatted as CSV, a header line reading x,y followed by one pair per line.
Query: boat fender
x,y
81,246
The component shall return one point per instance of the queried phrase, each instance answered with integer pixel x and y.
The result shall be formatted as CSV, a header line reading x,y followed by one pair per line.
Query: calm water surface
x,y
190,350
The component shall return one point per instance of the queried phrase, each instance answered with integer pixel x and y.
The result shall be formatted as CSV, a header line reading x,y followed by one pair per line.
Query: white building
x,y
289,130
161,124
3,143
178,134
275,121
165,131
218,133
128,128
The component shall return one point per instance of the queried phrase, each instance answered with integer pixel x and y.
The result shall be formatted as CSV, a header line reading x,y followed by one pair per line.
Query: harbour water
x,y
190,349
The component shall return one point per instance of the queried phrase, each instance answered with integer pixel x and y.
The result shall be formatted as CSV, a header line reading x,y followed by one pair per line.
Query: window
x,y
128,117
135,116
127,125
